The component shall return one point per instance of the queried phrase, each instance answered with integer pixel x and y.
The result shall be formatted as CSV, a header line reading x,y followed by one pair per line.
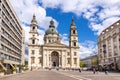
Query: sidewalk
x,y
13,74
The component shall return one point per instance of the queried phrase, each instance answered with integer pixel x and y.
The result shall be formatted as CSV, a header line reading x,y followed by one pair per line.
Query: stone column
x,y
59,60
44,58
49,59
63,59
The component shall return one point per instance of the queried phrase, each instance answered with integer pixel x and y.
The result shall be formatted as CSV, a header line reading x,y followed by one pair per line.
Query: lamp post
x,y
31,64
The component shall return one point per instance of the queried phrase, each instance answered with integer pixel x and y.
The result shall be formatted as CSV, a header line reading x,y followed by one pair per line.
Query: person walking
x,y
106,70
94,70
97,70
79,70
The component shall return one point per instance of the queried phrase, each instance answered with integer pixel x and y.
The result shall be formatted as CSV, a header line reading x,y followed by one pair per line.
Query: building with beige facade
x,y
109,47
52,53
11,37
90,61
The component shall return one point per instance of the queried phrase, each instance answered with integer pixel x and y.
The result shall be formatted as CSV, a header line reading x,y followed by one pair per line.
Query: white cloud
x,y
87,48
100,14
96,11
25,10
64,39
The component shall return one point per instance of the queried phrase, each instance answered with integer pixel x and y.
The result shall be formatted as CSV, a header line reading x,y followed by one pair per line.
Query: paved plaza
x,y
61,75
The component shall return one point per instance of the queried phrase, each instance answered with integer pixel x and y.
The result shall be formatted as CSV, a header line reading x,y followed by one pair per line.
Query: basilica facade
x,y
52,53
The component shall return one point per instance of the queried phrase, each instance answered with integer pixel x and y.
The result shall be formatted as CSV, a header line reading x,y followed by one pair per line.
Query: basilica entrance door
x,y
55,59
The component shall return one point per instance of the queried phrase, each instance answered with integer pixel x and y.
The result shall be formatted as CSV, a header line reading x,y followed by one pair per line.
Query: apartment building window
x,y
115,52
100,50
75,53
40,60
75,60
68,53
0,18
114,32
115,46
103,37
0,46
109,54
99,39
1,55
68,60
105,55
114,39
32,60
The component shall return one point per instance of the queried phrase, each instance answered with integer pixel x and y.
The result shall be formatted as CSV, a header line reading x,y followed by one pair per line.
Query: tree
x,y
82,64
94,62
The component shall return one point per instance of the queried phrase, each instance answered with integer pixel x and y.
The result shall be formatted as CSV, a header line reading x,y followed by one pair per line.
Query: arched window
x,y
33,41
33,28
74,32
74,43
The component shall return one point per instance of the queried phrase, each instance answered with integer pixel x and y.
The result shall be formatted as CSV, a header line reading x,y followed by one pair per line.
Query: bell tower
x,y
33,40
74,46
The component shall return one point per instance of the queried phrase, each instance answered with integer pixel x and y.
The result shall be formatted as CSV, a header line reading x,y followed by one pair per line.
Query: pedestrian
x,y
97,70
106,70
79,70
94,70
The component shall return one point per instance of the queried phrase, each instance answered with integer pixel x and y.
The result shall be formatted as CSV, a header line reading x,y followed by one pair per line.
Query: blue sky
x,y
90,16
64,19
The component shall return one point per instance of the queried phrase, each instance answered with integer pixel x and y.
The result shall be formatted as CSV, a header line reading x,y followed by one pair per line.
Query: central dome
x,y
51,35
51,31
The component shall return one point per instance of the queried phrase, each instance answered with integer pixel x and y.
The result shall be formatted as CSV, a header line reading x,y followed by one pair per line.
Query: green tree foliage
x,y
82,64
94,62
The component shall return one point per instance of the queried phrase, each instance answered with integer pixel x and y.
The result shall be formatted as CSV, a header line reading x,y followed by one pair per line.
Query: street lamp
x,y
31,64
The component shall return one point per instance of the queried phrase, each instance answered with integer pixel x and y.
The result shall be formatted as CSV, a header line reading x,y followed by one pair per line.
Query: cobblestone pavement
x,y
61,75
88,75
37,75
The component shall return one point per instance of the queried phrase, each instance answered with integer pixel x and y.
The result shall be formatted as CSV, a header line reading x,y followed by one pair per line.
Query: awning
x,y
3,66
108,63
12,66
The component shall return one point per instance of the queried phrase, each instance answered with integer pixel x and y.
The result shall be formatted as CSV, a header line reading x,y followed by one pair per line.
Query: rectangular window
x,y
32,60
40,60
114,39
68,60
68,53
75,60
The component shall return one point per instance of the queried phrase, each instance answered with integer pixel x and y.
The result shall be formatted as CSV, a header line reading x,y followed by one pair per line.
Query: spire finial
x,y
34,15
73,24
34,18
72,18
